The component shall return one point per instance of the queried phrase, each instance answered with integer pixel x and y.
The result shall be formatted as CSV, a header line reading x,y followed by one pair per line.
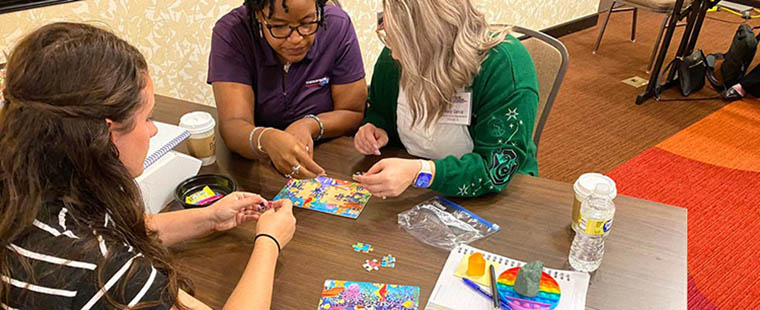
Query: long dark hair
x,y
253,6
62,82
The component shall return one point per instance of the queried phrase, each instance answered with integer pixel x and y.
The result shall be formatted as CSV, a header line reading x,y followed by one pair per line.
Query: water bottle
x,y
596,216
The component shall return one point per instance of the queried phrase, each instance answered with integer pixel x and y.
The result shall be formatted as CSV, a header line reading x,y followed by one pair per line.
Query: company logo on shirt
x,y
318,82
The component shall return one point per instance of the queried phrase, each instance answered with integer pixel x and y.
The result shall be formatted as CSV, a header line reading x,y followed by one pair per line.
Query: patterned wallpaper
x,y
175,35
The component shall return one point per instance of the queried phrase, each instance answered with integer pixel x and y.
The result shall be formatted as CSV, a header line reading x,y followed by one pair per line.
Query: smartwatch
x,y
425,176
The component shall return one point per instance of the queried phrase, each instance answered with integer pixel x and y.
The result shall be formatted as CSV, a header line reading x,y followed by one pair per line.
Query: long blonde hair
x,y
441,45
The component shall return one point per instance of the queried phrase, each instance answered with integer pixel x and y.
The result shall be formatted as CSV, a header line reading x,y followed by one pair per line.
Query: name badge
x,y
460,111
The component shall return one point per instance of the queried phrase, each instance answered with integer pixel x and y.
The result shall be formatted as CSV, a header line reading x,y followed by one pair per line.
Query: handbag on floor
x,y
691,72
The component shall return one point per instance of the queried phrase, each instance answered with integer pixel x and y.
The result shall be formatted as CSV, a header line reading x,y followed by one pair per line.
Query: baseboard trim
x,y
572,26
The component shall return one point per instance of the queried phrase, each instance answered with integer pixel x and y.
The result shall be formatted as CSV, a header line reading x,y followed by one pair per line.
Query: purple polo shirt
x,y
335,58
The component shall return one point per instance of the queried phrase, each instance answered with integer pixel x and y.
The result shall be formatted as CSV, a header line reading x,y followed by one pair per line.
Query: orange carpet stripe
x,y
728,138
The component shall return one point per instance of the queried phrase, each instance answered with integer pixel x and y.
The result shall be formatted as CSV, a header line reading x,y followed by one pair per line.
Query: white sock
x,y
739,89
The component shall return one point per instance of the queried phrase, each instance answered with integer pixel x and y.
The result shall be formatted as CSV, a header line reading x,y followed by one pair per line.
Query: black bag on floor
x,y
736,60
691,72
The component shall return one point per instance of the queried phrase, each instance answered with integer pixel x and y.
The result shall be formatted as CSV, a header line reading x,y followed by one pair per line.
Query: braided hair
x,y
253,6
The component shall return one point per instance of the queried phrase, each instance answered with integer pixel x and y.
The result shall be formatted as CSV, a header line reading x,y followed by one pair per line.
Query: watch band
x,y
424,177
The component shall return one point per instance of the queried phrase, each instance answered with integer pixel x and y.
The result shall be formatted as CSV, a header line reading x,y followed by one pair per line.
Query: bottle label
x,y
596,228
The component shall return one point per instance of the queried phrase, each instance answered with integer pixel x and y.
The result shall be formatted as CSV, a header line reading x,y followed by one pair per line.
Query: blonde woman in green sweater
x,y
454,92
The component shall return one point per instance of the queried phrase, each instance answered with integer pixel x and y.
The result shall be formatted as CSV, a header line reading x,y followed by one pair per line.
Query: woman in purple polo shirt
x,y
286,73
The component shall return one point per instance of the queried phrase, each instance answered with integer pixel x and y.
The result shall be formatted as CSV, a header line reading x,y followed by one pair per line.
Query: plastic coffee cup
x,y
583,188
202,141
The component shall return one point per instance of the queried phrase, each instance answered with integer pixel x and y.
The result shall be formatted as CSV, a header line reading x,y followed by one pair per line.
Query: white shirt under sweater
x,y
435,142
66,270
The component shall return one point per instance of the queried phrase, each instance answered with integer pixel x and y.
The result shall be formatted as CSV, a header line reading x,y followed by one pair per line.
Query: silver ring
x,y
307,148
293,172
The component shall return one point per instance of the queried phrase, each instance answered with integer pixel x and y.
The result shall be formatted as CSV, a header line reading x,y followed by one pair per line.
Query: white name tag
x,y
460,111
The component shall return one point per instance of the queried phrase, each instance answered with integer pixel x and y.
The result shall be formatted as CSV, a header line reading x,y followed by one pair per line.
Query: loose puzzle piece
x,y
361,247
370,265
388,261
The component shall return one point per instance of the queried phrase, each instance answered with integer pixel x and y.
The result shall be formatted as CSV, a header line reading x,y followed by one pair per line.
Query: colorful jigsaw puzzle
x,y
388,261
370,265
347,295
362,247
327,195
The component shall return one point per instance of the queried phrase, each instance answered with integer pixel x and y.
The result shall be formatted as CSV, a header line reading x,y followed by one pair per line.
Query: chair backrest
x,y
550,58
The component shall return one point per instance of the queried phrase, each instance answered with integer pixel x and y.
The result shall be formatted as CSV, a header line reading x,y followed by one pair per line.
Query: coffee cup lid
x,y
197,122
587,182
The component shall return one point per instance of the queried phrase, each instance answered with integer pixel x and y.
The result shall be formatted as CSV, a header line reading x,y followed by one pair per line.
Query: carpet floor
x,y
712,168
594,124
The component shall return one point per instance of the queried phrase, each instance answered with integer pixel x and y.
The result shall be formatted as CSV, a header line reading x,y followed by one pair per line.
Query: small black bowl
x,y
218,183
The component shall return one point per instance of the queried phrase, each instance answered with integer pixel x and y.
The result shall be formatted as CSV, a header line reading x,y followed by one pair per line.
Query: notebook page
x,y
450,292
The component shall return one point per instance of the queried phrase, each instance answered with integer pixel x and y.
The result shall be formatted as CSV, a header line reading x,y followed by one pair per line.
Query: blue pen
x,y
477,288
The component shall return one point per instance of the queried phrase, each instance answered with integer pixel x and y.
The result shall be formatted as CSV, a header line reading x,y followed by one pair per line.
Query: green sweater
x,y
504,103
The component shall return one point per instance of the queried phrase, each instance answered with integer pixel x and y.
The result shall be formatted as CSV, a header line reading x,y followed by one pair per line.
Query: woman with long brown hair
x,y
74,132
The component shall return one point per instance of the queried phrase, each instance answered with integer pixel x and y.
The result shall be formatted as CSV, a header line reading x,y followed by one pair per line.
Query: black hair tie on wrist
x,y
270,237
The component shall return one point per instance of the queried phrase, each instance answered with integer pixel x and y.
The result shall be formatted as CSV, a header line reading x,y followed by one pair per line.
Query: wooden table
x,y
644,266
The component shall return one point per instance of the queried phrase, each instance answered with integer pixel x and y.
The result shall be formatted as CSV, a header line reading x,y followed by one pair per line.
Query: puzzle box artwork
x,y
347,295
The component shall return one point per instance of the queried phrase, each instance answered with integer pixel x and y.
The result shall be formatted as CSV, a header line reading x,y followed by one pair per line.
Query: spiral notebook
x,y
450,292
167,138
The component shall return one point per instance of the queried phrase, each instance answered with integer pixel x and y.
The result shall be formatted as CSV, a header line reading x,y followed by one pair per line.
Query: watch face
x,y
423,180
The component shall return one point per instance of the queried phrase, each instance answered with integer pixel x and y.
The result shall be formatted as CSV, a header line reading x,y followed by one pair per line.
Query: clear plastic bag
x,y
444,224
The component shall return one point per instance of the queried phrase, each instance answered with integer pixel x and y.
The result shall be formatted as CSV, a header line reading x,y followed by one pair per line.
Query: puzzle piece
x,y
361,247
370,265
264,206
388,261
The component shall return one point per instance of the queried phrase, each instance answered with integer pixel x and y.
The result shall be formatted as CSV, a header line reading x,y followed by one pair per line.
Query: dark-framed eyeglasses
x,y
285,31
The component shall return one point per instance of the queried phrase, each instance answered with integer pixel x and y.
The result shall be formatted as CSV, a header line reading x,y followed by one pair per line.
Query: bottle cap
x,y
586,183
602,190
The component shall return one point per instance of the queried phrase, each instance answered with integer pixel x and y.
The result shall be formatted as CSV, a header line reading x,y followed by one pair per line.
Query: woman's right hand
x,y
287,153
369,139
278,222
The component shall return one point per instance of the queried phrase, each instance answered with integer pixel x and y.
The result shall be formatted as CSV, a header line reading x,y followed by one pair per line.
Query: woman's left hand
x,y
233,210
389,177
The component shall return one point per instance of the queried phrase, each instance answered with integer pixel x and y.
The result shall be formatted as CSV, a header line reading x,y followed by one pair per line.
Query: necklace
x,y
286,67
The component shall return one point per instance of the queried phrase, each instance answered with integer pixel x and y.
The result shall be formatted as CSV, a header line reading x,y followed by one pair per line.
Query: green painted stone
x,y
528,281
